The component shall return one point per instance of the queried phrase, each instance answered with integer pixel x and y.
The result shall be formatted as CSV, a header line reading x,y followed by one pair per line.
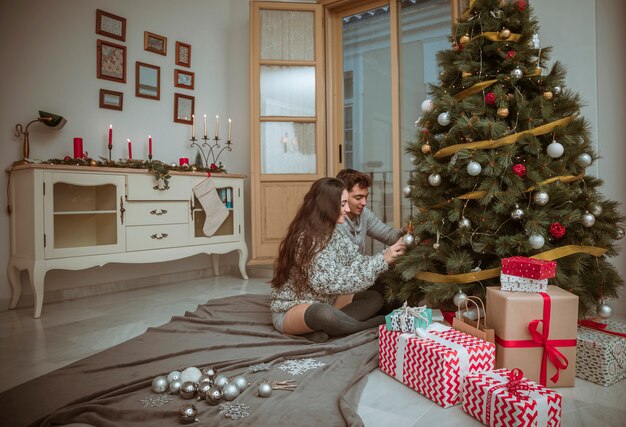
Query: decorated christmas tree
x,y
500,166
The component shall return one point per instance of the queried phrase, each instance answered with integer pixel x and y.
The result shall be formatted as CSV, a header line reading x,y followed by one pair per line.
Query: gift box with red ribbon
x,y
522,284
531,268
505,398
433,362
601,352
536,332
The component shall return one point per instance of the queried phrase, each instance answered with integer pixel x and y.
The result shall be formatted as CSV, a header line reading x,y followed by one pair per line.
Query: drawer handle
x,y
157,237
158,187
161,212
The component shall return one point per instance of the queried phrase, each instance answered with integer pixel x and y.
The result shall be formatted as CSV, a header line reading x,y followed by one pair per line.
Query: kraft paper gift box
x,y
408,319
536,332
601,352
434,362
505,398
531,268
509,282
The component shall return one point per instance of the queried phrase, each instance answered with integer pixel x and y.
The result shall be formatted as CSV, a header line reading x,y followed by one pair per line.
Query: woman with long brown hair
x,y
320,278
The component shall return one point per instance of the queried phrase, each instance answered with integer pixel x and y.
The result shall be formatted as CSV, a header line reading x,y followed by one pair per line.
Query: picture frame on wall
x,y
110,25
147,81
184,79
154,43
111,61
111,99
183,108
183,54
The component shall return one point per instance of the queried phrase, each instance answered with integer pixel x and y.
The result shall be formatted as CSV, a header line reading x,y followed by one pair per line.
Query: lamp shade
x,y
52,120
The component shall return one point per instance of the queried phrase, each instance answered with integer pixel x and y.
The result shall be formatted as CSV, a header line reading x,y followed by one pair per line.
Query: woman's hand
x,y
394,251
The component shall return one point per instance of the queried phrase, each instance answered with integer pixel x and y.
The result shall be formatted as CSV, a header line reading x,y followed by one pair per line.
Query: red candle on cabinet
x,y
130,150
110,135
78,148
149,145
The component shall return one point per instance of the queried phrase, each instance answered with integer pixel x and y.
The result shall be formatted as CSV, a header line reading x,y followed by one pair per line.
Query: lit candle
x,y
205,125
230,128
130,150
150,145
193,132
217,125
110,135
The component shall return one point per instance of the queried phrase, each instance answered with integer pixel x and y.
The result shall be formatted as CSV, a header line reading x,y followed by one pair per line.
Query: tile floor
x,y
71,330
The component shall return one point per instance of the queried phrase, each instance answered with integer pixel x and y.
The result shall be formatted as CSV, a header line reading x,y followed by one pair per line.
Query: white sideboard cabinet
x,y
76,217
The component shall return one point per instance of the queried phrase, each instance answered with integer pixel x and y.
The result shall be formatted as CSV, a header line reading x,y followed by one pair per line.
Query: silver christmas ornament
x,y
596,209
173,376
460,298
265,390
175,386
436,246
584,159
464,223
555,149
536,241
192,374
604,310
220,381
619,234
517,73
209,372
444,118
427,106
231,391
203,389
187,413
412,159
588,219
474,168
406,191
557,90
241,382
517,213
188,390
408,239
159,384
541,198
434,179
204,378
214,395
174,164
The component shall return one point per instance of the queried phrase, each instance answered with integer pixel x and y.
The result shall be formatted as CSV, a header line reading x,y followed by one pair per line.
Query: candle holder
x,y
149,158
214,149
110,148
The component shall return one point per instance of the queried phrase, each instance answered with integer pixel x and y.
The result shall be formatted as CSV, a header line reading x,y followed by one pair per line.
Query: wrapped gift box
x,y
408,319
552,317
600,355
435,362
531,268
509,282
503,398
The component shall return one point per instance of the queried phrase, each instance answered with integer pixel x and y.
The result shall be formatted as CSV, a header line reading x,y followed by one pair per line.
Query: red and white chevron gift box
x,y
434,363
504,398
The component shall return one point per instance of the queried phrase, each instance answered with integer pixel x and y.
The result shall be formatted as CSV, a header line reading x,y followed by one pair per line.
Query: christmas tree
x,y
500,163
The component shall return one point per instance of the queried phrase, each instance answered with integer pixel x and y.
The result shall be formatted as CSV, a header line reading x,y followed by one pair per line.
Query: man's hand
x,y
394,251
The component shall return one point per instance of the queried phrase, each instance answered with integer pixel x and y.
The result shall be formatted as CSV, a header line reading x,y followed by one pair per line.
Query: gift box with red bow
x,y
536,332
433,362
601,352
530,268
505,398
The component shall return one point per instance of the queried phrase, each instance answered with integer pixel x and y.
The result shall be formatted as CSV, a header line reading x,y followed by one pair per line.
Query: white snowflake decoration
x,y
156,401
259,367
300,366
234,411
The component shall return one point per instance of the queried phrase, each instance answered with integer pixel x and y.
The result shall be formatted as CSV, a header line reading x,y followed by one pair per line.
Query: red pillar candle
x,y
183,161
78,148
130,150
110,136
150,145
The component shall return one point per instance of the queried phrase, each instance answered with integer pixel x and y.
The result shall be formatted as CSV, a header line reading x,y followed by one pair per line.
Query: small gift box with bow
x,y
601,352
505,398
433,361
408,319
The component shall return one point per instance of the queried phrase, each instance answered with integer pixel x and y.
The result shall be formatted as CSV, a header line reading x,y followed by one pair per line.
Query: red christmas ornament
x,y
424,134
519,170
520,5
67,158
490,98
557,230
213,166
510,54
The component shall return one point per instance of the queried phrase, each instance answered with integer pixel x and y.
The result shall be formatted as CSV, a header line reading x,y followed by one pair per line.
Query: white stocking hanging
x,y
214,209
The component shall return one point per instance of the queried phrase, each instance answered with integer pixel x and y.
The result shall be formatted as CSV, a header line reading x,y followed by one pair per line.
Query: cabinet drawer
x,y
157,212
141,187
143,237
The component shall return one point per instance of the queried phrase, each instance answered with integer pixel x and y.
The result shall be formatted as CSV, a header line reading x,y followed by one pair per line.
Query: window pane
x,y
287,35
288,147
288,91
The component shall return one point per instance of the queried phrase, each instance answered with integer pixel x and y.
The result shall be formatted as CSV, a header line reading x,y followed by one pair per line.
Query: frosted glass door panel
x,y
288,148
287,35
288,91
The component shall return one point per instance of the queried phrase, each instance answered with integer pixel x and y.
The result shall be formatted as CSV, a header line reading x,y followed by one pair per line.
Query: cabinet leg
x,y
215,260
37,274
243,259
13,274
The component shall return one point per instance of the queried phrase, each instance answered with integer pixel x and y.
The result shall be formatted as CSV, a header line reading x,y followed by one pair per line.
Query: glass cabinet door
x,y
229,194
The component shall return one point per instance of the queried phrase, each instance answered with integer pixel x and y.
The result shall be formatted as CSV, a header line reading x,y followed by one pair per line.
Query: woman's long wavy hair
x,y
308,233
